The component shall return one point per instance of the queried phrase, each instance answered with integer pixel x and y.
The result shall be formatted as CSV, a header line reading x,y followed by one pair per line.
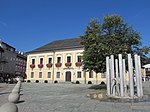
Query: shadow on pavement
x,y
21,101
4,93
100,86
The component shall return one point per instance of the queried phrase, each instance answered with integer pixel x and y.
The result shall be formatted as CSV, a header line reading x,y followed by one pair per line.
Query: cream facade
x,y
69,71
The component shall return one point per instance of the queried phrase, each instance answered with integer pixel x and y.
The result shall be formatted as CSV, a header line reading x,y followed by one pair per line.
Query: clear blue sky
x,y
29,24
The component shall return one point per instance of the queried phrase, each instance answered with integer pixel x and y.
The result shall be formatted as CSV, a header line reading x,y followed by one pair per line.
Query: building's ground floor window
x,y
79,75
32,74
90,74
40,74
103,75
58,75
49,75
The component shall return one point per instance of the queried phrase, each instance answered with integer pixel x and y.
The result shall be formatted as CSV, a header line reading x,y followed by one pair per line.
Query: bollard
x,y
13,97
9,107
18,84
17,87
16,90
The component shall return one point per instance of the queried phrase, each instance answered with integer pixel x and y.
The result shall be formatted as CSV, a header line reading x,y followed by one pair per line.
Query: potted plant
x,y
32,65
68,64
49,65
78,63
58,64
40,65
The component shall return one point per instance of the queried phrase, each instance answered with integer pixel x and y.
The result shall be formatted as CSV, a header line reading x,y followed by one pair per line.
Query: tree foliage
x,y
112,37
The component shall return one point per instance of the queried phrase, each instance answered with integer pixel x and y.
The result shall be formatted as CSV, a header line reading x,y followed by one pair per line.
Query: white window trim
x,y
70,56
50,75
81,74
92,75
33,75
41,74
43,60
77,57
31,60
59,75
60,57
48,59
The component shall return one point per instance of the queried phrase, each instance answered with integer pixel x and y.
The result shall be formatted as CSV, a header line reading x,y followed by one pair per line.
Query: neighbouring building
x,y
60,61
21,62
146,70
8,62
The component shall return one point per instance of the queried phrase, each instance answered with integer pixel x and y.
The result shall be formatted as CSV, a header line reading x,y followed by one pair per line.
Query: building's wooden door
x,y
68,76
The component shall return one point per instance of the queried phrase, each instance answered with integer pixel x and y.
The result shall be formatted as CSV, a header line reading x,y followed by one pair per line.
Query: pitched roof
x,y
59,45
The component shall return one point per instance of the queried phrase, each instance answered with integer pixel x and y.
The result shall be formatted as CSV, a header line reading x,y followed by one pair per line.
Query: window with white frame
x,y
41,60
33,61
32,74
58,75
103,75
40,74
49,60
79,74
58,59
90,74
68,59
78,58
49,75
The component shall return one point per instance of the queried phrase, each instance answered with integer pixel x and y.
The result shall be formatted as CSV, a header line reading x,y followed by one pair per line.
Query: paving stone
x,y
43,97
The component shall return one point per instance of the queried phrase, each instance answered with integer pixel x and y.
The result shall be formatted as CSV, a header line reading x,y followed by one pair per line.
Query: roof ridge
x,y
67,39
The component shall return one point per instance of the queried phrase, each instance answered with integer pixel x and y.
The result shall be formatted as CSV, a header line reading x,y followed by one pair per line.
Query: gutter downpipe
x,y
84,77
53,66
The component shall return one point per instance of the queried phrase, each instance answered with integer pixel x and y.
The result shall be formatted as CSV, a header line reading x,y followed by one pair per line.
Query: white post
x,y
117,76
112,76
140,76
108,76
137,75
124,77
130,69
116,68
121,76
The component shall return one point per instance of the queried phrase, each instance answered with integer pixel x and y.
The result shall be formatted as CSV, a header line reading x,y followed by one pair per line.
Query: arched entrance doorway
x,y
68,76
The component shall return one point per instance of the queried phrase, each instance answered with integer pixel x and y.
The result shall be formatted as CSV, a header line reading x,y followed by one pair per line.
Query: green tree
x,y
142,52
112,37
91,41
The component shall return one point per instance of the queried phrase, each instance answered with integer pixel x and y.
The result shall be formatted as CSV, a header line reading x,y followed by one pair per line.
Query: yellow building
x,y
60,61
